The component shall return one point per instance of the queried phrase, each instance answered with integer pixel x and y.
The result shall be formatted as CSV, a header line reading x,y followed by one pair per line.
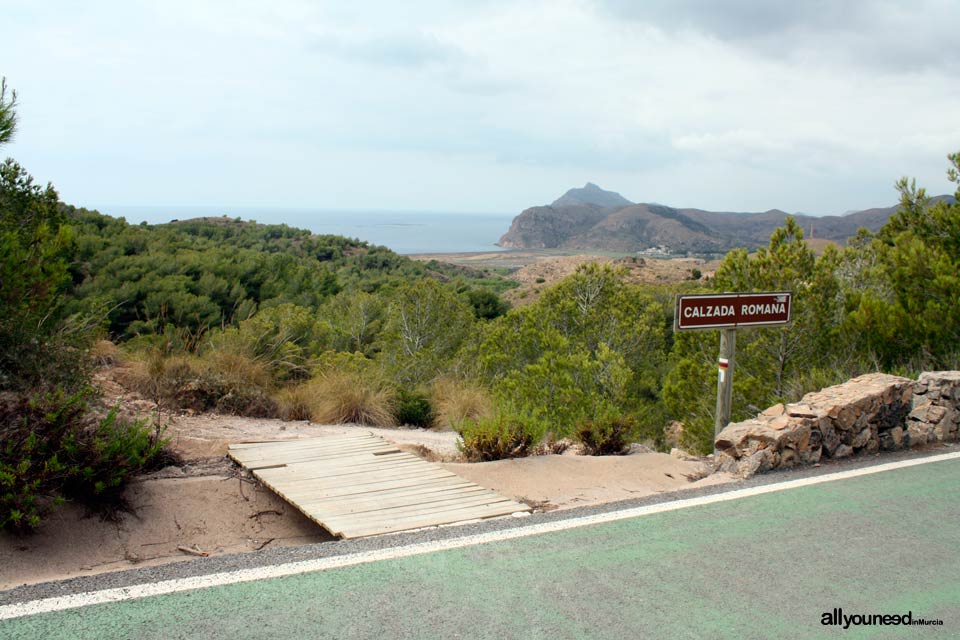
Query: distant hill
x,y
591,218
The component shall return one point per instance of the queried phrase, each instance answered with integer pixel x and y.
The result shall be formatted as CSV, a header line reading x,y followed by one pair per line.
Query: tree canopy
x,y
8,113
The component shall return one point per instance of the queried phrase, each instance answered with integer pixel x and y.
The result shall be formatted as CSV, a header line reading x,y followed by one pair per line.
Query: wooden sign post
x,y
728,312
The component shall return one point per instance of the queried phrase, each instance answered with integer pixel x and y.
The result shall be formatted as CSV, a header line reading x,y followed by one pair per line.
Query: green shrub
x,y
39,436
698,435
486,304
413,408
52,450
41,346
109,454
606,436
496,438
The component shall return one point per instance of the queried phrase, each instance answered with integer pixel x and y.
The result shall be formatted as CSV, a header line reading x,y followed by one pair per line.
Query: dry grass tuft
x,y
222,382
239,371
456,401
295,403
339,397
105,353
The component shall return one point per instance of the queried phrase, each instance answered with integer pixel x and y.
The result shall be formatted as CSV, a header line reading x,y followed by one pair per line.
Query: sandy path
x,y
563,482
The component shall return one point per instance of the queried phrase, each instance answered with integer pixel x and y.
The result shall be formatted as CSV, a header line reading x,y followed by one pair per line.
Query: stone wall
x,y
867,414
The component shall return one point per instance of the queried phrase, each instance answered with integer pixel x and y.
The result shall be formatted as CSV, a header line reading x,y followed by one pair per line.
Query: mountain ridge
x,y
591,218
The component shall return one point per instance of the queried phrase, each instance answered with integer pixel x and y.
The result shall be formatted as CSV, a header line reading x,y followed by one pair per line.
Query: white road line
x,y
48,605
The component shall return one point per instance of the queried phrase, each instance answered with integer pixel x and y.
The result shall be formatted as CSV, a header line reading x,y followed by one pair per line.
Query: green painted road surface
x,y
766,566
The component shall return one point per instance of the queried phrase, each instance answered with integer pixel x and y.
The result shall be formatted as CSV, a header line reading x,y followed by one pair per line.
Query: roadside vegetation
x,y
267,320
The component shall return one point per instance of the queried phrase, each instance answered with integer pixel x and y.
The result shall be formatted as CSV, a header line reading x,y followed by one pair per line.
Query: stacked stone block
x,y
867,414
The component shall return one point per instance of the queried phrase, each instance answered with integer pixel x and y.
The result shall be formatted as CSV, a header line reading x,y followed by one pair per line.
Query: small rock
x,y
861,438
843,451
788,457
919,434
802,411
779,423
773,412
896,434
812,455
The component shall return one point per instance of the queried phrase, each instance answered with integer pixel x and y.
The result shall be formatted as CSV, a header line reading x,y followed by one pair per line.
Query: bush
x,y
486,304
698,435
606,436
413,408
497,438
51,450
109,455
341,397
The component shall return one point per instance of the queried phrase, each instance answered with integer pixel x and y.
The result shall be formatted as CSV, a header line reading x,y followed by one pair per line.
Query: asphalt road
x,y
764,566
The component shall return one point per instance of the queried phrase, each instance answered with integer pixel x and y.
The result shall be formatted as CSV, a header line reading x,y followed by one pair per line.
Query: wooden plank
x,y
324,467
313,471
442,484
360,437
305,470
306,493
374,513
378,502
347,529
316,445
415,510
354,476
325,441
353,461
312,449
373,475
272,459
453,513
367,489
384,477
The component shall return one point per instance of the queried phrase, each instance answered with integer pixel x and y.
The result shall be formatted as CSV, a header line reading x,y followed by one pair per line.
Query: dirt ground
x,y
211,506
538,270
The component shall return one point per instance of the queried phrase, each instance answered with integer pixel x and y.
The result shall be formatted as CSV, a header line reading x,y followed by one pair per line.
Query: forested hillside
x,y
189,277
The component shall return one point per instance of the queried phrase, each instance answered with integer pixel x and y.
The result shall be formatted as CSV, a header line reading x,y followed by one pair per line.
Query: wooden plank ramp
x,y
361,485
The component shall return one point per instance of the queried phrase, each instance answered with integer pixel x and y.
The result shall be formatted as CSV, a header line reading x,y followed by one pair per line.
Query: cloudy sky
x,y
481,105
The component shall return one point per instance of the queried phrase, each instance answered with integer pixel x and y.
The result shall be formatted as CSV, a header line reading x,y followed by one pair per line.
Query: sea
x,y
406,232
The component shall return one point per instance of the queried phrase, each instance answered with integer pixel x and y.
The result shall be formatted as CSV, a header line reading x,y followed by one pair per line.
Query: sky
x,y
484,106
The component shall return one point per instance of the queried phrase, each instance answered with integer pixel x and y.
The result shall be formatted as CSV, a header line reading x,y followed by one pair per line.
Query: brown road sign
x,y
732,310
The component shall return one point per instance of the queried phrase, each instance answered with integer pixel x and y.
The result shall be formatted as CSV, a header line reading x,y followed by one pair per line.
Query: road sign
x,y
729,312
732,310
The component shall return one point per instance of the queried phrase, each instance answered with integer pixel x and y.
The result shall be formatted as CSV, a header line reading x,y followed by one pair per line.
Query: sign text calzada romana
x,y
732,310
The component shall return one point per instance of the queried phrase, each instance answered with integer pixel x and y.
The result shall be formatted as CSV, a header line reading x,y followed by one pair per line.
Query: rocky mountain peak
x,y
591,194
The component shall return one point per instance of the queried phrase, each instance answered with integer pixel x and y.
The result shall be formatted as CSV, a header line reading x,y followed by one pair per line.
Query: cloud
x,y
401,49
895,35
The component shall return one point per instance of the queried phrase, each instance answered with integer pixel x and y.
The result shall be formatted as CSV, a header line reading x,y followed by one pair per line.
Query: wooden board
x,y
361,485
